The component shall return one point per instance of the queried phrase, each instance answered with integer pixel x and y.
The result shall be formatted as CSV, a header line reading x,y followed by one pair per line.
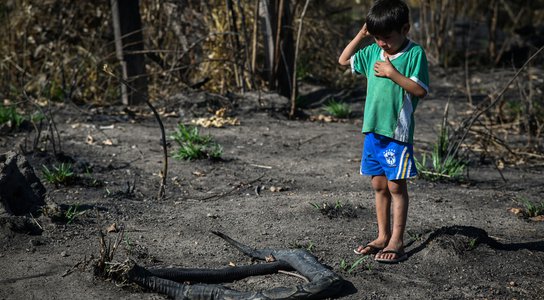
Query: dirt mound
x,y
452,242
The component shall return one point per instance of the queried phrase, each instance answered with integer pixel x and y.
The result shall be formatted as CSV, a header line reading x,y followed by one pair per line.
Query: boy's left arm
x,y
386,69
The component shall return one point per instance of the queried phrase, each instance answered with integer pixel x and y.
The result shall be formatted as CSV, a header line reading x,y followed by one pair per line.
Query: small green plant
x,y
310,247
532,209
90,180
315,205
442,164
359,262
303,67
195,146
335,210
8,114
414,236
37,117
350,267
343,265
472,243
61,174
440,168
129,246
72,213
338,109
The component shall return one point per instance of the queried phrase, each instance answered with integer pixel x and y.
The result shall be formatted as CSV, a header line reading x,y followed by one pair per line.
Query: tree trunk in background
x,y
128,29
267,22
285,61
493,19
278,44
294,89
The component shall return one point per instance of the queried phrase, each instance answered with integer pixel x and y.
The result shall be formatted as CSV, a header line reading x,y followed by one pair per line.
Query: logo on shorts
x,y
390,158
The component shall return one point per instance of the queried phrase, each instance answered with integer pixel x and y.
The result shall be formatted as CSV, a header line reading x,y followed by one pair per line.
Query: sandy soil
x,y
462,241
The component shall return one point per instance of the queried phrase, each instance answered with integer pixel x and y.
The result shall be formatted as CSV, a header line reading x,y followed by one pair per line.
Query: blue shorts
x,y
385,156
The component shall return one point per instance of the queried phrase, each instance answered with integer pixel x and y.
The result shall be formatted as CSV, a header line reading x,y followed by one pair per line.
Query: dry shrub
x,y
173,36
224,64
323,39
54,49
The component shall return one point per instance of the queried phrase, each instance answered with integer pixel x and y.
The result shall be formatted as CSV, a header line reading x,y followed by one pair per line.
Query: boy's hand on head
x,y
384,68
364,31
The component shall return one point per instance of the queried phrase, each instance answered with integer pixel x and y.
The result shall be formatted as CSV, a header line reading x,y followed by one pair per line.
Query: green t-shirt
x,y
389,110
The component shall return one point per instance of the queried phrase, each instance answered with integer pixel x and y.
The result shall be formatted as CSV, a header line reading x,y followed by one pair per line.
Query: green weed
x,y
440,168
350,267
37,117
61,174
90,180
359,262
335,210
343,265
72,213
442,165
303,68
532,209
195,146
315,205
129,246
327,206
309,246
8,114
337,109
414,236
472,243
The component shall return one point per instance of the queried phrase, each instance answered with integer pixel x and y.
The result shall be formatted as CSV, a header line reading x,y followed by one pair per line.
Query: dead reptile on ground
x,y
323,283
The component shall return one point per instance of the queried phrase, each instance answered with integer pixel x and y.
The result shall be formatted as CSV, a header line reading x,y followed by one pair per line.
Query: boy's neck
x,y
402,46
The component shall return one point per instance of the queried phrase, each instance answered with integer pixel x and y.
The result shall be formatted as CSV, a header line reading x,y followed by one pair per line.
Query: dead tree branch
x,y
164,172
464,128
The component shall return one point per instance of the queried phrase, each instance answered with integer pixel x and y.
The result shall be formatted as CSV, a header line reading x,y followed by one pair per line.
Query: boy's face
x,y
392,42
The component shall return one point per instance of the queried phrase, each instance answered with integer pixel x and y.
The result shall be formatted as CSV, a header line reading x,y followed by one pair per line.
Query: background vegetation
x,y
53,50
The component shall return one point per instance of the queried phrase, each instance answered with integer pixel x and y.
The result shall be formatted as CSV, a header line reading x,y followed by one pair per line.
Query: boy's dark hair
x,y
387,15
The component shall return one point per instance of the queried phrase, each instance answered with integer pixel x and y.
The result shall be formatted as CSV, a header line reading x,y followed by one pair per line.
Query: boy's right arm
x,y
351,48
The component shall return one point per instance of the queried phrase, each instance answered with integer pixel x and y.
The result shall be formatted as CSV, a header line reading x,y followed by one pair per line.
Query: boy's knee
x,y
379,184
397,186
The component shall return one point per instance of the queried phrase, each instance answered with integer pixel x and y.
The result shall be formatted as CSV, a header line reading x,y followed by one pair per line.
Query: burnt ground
x,y
462,241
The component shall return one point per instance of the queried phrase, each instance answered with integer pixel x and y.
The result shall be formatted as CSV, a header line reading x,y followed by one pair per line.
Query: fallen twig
x,y
83,263
36,221
435,174
261,166
300,143
294,275
232,190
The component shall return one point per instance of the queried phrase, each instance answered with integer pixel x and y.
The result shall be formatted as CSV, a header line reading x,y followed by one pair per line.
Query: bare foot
x,y
393,252
370,248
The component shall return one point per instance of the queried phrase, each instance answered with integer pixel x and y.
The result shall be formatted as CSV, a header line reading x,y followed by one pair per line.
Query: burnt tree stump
x,y
21,191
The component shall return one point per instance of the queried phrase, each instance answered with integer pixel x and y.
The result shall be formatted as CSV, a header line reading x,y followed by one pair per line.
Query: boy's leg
x,y
399,194
383,206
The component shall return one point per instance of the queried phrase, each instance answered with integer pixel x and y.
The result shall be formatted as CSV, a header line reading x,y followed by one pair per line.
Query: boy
x,y
397,77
